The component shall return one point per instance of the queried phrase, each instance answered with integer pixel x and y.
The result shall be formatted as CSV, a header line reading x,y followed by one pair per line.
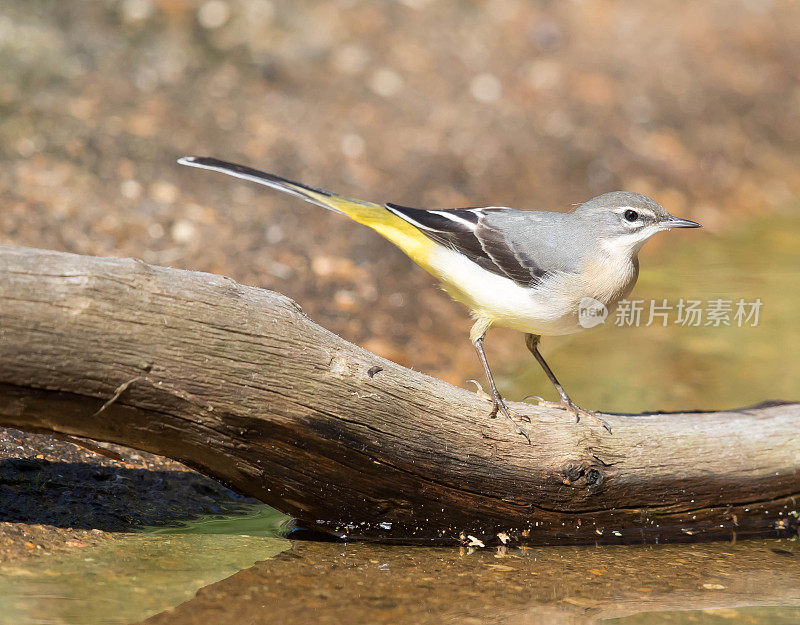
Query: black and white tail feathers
x,y
303,191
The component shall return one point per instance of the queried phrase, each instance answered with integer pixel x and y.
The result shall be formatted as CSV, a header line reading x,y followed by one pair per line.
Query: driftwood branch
x,y
238,383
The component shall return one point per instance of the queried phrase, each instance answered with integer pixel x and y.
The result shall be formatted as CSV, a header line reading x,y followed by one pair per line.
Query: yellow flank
x,y
416,245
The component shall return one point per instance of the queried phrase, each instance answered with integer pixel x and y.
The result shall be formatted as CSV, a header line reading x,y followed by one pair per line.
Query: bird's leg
x,y
532,342
497,400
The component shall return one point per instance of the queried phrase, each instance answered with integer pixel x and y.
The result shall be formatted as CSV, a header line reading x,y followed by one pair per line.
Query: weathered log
x,y
238,383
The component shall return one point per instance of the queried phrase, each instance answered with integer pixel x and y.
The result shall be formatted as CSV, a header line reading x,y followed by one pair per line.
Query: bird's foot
x,y
500,406
573,409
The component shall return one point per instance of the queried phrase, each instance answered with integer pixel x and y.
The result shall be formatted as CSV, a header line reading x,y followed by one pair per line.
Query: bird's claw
x,y
507,413
572,409
498,405
480,392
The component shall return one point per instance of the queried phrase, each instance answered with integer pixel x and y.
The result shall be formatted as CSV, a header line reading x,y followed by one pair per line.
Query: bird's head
x,y
623,221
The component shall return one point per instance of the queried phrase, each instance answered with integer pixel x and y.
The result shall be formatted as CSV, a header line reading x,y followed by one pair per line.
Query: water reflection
x,y
751,582
136,575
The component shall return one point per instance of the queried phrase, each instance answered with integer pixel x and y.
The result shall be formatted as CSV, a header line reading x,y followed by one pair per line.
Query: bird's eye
x,y
631,215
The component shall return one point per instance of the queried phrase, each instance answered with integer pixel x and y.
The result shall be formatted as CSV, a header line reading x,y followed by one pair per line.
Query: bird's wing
x,y
470,232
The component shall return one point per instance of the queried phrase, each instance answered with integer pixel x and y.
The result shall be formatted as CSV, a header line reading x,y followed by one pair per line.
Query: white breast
x,y
550,308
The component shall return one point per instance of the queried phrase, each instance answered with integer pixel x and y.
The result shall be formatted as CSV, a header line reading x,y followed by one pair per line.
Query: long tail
x,y
379,218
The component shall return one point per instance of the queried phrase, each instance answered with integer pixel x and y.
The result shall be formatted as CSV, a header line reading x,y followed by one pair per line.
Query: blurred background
x,y
429,103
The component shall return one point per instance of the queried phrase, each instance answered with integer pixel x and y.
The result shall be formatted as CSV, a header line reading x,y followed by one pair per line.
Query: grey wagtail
x,y
521,269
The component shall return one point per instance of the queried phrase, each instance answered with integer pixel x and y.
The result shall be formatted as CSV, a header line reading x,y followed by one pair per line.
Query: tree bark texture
x,y
239,384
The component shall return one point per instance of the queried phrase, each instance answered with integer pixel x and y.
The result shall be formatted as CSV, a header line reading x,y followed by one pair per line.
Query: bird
x,y
527,270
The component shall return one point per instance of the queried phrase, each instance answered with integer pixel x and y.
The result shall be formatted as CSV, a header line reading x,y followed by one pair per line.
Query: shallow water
x,y
137,575
238,568
224,574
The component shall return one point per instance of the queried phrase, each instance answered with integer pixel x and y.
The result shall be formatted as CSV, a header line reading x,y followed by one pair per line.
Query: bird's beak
x,y
677,222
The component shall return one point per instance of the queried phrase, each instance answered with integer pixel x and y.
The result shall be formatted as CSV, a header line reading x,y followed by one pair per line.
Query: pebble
x,y
486,88
386,82
213,14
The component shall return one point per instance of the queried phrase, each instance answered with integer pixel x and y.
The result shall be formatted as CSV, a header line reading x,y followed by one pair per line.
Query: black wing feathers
x,y
457,234
512,262
465,230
